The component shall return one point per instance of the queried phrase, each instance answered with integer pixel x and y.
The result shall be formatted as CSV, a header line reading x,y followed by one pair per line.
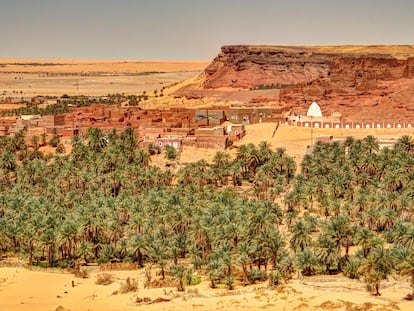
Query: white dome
x,y
314,110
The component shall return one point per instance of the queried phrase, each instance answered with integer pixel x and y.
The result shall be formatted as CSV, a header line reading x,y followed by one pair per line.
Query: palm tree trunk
x,y
139,258
377,293
212,284
245,275
30,253
50,256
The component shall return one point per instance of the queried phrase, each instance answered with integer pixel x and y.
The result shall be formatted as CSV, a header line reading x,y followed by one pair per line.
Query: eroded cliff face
x,y
248,67
342,77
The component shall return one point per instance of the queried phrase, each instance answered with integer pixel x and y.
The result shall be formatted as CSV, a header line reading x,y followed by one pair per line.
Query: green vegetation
x,y
52,109
171,153
270,86
65,102
234,221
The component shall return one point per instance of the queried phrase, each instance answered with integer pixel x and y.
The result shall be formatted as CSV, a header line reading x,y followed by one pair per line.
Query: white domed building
x,y
315,118
314,111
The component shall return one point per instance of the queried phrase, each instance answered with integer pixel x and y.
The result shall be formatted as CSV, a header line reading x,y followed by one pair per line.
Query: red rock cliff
x,y
341,76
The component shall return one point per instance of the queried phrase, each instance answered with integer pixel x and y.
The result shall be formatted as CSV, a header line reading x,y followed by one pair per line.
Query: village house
x,y
211,137
172,141
211,116
250,114
67,135
234,131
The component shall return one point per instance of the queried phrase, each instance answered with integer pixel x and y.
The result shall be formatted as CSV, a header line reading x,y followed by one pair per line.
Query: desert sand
x,y
22,289
54,77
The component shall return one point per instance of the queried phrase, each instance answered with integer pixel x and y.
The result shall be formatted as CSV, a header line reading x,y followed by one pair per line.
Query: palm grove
x,y
236,220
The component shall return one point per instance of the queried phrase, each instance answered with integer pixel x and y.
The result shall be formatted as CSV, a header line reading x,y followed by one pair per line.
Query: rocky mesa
x,y
358,81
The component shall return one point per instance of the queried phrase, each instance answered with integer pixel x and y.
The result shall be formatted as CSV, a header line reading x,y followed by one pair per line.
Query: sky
x,y
193,29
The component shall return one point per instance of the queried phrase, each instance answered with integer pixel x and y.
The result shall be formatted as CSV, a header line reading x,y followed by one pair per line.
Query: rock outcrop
x,y
354,80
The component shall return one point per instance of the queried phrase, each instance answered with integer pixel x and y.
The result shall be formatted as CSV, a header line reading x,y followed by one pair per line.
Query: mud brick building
x,y
4,130
51,120
212,142
234,131
6,126
211,137
67,135
250,114
211,116
175,142
149,135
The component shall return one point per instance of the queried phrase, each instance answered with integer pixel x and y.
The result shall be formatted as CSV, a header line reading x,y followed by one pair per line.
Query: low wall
x,y
352,125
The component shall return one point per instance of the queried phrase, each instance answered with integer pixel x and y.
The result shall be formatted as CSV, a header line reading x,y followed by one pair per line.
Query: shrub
x,y
54,141
83,274
256,275
351,268
153,149
104,279
171,153
130,285
60,148
196,279
230,283
274,279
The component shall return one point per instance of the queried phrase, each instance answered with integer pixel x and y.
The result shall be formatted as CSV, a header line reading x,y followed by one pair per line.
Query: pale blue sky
x,y
193,29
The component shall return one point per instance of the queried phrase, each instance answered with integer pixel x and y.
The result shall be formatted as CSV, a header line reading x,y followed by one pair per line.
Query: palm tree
x,y
327,252
339,229
405,143
364,238
245,251
370,143
96,140
406,267
301,237
179,272
8,161
307,262
376,267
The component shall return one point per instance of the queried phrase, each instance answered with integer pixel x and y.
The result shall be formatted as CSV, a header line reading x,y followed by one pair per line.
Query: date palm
x,y
406,267
307,262
327,252
96,140
301,236
376,267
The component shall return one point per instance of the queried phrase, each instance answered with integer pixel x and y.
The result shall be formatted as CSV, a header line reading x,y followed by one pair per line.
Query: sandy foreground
x,y
21,289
